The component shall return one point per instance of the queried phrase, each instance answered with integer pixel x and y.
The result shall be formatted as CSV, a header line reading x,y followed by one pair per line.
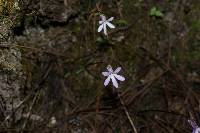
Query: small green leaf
x,y
101,41
80,70
121,22
196,24
156,12
97,14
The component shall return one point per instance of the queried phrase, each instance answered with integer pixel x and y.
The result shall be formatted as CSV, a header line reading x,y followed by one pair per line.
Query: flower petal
x,y
197,130
119,77
100,28
117,70
193,123
105,73
103,18
107,81
104,29
109,68
100,22
110,25
110,19
114,81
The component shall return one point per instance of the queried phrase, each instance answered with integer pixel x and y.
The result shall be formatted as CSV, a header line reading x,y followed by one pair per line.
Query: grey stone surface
x,y
54,10
11,73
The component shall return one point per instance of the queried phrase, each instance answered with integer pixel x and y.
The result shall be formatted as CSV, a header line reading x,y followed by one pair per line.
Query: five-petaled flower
x,y
103,23
110,74
195,127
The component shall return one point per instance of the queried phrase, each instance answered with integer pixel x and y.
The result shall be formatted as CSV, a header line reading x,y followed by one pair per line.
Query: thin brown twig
x,y
30,110
127,113
97,108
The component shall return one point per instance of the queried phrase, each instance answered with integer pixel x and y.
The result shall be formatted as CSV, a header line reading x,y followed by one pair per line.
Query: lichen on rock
x,y
11,73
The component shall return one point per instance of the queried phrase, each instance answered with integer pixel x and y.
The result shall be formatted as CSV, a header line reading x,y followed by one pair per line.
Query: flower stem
x,y
127,113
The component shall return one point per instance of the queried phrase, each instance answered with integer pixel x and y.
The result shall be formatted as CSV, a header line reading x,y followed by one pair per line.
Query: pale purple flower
x,y
103,23
110,74
195,127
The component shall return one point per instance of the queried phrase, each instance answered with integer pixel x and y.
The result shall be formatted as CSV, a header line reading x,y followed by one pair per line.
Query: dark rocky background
x,y
51,59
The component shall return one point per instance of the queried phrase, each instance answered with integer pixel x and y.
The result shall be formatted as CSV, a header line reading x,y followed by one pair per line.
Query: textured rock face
x,y
54,10
11,73
11,70
11,80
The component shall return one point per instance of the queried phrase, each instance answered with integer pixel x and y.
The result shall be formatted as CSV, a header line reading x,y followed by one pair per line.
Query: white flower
x,y
113,76
195,128
103,23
